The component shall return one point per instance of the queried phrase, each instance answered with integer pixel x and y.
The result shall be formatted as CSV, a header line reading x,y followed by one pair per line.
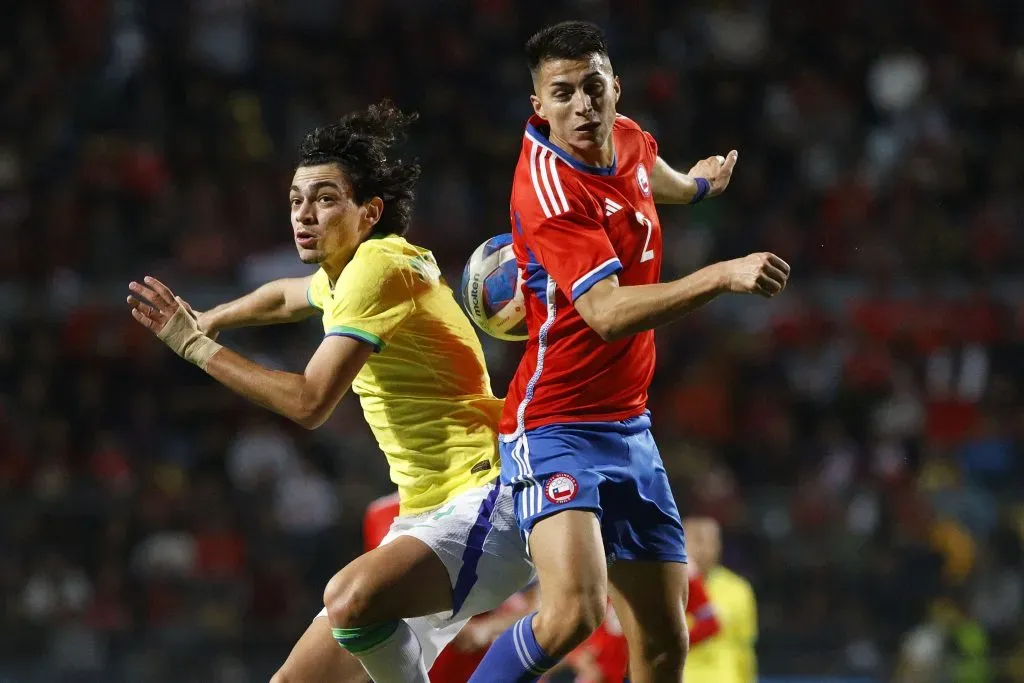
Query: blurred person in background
x,y
729,657
396,336
949,645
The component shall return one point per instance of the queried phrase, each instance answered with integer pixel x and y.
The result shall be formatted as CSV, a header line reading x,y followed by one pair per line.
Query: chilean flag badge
x,y
560,488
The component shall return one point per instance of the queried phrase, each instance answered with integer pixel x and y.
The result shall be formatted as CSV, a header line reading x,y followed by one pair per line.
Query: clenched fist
x,y
763,273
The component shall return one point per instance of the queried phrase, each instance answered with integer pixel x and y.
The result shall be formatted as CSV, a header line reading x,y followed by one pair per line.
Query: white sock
x,y
399,659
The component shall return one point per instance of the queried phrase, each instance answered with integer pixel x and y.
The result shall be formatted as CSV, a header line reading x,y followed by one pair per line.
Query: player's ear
x,y
372,210
538,108
617,87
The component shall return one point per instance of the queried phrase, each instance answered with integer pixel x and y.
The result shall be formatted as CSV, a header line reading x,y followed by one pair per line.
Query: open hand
x,y
153,304
171,319
717,170
763,273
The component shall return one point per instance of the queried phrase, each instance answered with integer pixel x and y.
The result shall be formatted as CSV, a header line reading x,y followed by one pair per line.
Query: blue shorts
x,y
611,468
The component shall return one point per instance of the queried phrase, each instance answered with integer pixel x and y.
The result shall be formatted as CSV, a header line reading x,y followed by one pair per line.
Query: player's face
x,y
577,98
327,223
704,542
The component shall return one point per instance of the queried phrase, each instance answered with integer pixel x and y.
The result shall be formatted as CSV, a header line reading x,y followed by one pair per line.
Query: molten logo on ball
x,y
492,290
560,488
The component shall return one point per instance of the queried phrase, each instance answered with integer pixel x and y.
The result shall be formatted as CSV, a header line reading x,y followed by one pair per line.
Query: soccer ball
x,y
492,290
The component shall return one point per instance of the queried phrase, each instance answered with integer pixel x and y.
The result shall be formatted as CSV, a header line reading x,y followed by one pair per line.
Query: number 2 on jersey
x,y
646,222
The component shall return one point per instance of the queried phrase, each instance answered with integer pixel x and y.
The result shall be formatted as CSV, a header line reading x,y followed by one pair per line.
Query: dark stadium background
x,y
860,438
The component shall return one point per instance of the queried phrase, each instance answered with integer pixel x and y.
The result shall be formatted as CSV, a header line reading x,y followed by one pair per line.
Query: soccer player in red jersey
x,y
592,497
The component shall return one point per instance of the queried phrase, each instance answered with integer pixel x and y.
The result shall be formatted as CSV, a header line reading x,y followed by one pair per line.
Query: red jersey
x,y
572,226
454,666
608,644
377,520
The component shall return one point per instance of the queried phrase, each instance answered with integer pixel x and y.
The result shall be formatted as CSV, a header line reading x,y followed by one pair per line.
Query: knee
x,y
669,655
565,622
347,598
665,649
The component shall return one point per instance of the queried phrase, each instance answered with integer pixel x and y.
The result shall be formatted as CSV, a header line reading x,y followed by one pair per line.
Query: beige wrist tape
x,y
182,334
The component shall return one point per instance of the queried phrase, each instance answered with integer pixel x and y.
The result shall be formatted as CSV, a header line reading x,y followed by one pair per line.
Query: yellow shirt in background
x,y
728,657
425,392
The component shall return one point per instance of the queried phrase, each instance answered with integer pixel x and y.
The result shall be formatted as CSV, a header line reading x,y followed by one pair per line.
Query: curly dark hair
x,y
565,40
360,143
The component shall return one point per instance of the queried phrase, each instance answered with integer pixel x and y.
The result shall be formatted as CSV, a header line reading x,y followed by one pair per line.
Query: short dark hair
x,y
566,40
361,144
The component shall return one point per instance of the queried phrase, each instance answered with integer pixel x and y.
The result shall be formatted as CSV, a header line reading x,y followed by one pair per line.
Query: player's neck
x,y
603,157
334,265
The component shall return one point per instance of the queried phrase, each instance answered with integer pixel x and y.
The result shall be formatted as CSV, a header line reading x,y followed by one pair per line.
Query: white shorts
x,y
477,538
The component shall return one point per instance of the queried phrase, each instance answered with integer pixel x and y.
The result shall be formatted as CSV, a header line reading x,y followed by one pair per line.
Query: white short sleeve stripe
x,y
556,208
556,181
546,183
536,183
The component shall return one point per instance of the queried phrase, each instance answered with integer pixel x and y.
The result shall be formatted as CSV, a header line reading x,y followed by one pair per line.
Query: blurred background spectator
x,y
860,438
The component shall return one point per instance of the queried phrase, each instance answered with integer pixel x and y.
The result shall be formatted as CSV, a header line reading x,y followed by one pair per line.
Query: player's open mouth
x,y
588,127
305,239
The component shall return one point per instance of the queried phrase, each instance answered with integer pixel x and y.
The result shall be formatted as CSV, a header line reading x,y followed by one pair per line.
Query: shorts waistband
x,y
631,425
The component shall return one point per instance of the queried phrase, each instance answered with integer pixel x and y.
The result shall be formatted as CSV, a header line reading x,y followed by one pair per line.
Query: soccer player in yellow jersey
x,y
728,657
394,334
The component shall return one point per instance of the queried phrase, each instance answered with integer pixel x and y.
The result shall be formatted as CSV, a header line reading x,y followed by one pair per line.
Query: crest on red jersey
x,y
643,180
560,488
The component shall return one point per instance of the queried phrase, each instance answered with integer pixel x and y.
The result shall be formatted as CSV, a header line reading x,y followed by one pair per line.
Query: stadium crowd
x,y
860,438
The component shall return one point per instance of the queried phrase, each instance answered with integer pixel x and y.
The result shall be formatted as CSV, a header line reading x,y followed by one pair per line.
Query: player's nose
x,y
580,102
304,214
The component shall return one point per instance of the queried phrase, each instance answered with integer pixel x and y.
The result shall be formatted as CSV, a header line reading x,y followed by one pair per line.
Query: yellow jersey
x,y
728,657
425,392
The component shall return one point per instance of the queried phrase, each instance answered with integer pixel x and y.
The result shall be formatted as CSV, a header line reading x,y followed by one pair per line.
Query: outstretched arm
x,y
570,241
280,301
615,312
307,398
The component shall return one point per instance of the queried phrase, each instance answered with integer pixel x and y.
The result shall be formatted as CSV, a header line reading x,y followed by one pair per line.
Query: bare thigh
x,y
403,578
572,574
650,600
316,657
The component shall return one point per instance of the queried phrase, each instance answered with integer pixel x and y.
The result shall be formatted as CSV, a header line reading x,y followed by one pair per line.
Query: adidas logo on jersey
x,y
611,207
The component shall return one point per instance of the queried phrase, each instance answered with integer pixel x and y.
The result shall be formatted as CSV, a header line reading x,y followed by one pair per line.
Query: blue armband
x,y
703,187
